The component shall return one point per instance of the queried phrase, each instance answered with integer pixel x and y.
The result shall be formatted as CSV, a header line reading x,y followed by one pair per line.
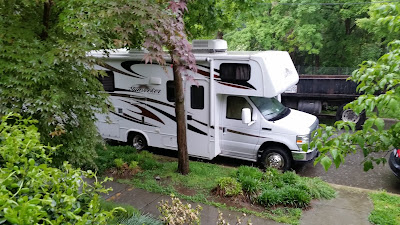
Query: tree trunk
x,y
317,61
220,35
347,24
46,18
183,157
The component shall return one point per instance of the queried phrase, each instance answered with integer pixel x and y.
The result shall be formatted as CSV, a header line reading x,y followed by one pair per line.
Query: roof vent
x,y
209,46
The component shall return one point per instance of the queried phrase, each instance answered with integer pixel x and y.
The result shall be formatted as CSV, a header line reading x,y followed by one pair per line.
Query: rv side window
x,y
234,107
197,97
108,81
170,91
235,72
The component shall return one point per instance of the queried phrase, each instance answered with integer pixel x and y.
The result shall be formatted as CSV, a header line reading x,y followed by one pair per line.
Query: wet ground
x,y
351,174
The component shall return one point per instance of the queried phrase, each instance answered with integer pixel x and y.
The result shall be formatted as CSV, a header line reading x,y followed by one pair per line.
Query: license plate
x,y
292,89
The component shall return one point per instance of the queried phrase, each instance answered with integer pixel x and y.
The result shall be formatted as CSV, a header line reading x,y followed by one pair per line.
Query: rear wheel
x,y
348,115
276,157
139,141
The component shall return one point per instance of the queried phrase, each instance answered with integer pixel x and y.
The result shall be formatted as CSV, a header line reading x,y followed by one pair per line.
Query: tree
x,y
315,33
379,82
45,72
169,32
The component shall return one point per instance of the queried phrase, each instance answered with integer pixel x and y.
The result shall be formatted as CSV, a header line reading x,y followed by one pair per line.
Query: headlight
x,y
302,139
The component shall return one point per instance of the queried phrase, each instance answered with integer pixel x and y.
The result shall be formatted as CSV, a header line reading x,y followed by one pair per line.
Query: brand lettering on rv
x,y
144,89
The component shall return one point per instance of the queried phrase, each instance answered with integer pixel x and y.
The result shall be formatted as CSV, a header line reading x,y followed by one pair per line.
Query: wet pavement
x,y
351,173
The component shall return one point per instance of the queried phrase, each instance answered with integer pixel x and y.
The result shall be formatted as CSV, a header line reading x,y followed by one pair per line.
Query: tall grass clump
x,y
273,188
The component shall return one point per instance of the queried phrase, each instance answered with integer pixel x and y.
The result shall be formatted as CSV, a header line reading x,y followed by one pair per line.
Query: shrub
x,y
248,171
250,184
149,164
229,186
107,154
290,178
133,165
33,192
292,196
179,213
317,188
119,163
270,197
276,188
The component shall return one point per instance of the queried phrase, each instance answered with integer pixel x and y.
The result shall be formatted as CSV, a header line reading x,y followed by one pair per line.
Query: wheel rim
x,y
138,142
275,160
349,115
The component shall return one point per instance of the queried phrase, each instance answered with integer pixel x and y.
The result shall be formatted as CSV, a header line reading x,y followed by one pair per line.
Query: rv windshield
x,y
270,108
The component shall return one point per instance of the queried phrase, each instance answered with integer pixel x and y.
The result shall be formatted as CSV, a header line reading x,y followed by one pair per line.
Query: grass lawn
x,y
386,209
270,194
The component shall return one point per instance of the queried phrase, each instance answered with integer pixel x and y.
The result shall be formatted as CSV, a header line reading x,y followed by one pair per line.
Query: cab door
x,y
239,140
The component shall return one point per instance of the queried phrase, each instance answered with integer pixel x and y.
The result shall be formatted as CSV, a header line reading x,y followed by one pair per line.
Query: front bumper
x,y
305,156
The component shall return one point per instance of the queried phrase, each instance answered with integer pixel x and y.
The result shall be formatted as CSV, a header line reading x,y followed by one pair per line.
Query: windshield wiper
x,y
281,115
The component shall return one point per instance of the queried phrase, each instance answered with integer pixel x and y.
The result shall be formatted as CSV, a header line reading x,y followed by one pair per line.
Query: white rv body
x,y
224,84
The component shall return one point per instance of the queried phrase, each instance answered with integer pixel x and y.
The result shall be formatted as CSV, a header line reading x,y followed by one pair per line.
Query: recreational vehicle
x,y
232,105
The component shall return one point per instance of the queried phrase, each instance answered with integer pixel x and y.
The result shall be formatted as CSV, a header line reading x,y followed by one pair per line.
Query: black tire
x,y
138,141
349,115
276,157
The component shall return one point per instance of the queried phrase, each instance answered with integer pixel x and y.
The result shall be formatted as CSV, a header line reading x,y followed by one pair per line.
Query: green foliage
x,y
111,156
286,195
149,164
379,82
133,165
386,209
128,211
250,178
118,163
45,72
33,192
147,161
314,34
289,189
198,179
270,197
383,21
229,186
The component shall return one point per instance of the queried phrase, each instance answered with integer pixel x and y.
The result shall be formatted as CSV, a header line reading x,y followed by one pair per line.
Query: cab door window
x,y
234,107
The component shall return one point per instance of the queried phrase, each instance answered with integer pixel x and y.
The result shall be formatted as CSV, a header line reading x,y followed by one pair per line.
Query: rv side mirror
x,y
246,115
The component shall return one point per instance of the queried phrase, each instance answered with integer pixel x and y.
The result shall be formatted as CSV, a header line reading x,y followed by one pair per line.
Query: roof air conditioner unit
x,y
210,46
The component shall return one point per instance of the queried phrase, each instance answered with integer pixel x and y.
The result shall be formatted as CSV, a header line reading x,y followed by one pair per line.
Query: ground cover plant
x,y
33,192
131,215
268,194
386,208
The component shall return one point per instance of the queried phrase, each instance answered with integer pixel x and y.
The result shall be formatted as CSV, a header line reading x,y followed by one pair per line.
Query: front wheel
x,y
139,142
276,157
